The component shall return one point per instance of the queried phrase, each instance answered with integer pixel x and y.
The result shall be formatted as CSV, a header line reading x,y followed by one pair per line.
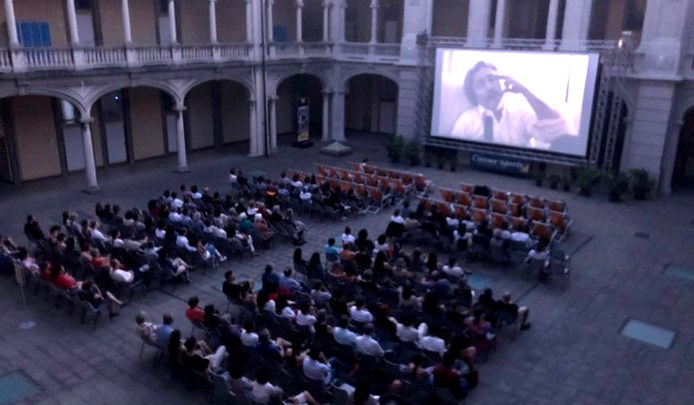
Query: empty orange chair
x,y
561,222
468,188
557,205
356,167
381,172
500,195
479,215
543,231
498,206
536,202
406,178
516,210
517,198
464,199
519,224
368,169
446,194
480,202
498,220
536,214
443,208
371,181
460,211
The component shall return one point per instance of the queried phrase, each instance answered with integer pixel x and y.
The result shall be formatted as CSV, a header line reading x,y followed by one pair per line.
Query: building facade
x,y
85,84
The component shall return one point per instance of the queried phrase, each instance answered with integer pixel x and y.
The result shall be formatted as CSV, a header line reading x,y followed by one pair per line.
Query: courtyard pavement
x,y
573,354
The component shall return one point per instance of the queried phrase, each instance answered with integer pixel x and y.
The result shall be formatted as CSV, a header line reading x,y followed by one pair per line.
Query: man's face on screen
x,y
487,88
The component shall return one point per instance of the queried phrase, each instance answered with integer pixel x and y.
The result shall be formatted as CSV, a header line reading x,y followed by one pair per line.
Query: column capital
x,y
251,102
374,4
272,98
86,120
299,3
327,3
270,2
179,108
213,1
327,92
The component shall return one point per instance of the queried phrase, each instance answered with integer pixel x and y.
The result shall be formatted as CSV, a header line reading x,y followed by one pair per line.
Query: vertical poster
x,y
302,118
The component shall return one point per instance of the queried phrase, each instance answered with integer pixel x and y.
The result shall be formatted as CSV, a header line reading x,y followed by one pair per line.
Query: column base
x,y
91,190
182,170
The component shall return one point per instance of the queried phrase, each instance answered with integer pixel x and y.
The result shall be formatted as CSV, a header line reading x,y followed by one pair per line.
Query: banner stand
x,y
302,116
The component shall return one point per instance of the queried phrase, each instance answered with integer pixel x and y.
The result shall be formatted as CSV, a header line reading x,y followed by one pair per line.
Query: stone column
x,y
72,22
269,20
213,22
172,22
299,20
576,24
326,20
338,112
374,21
11,24
88,150
499,22
273,124
127,32
181,139
325,135
478,22
551,24
249,21
254,140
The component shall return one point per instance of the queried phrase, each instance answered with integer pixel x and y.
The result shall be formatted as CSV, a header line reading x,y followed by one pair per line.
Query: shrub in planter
x,y
412,152
641,183
395,146
453,159
566,183
553,180
586,178
618,183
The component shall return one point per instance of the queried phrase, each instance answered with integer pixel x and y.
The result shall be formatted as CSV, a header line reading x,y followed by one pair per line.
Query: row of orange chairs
x,y
555,226
517,198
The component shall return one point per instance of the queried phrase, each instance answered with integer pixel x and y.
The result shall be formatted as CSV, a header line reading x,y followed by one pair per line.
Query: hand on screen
x,y
511,85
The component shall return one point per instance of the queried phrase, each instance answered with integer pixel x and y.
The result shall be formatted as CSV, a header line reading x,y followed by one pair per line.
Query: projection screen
x,y
532,100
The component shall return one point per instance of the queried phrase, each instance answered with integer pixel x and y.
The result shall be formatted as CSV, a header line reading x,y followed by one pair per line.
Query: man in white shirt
x,y
397,218
316,367
342,334
175,216
248,337
305,317
183,243
452,269
360,314
405,331
430,341
175,201
367,345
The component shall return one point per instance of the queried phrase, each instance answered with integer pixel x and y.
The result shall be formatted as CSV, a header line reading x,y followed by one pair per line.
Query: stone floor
x,y
574,352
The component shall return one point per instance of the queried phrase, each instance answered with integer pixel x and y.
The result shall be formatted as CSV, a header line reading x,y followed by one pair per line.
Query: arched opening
x,y
371,104
292,93
217,113
683,172
132,124
34,142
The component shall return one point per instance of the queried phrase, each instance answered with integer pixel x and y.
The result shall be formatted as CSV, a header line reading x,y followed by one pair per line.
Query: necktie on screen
x,y
488,128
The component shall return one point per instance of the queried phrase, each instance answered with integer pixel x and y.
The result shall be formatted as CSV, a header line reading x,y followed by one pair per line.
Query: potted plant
x,y
453,159
440,160
586,178
540,172
618,183
566,183
412,152
553,180
394,146
429,154
641,183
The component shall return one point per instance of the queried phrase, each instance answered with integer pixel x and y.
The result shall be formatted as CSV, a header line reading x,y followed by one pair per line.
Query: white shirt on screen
x,y
517,126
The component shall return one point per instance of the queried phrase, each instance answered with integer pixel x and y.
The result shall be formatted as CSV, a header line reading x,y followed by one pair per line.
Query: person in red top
x,y
446,376
61,279
194,313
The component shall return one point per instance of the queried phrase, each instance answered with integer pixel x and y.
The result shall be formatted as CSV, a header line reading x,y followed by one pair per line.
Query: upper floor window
x,y
34,34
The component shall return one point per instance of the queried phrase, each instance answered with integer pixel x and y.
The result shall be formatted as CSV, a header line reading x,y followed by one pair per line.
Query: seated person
x,y
164,331
358,313
342,334
431,339
288,283
447,376
120,274
194,313
248,337
264,393
452,268
316,367
56,274
319,294
90,292
509,311
237,291
145,329
305,316
367,345
406,331
276,350
197,356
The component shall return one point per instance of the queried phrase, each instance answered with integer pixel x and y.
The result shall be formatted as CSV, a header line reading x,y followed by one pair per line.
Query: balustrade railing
x,y
101,56
48,58
238,51
5,60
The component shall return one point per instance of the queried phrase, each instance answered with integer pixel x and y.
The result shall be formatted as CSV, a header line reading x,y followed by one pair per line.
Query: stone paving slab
x,y
573,354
